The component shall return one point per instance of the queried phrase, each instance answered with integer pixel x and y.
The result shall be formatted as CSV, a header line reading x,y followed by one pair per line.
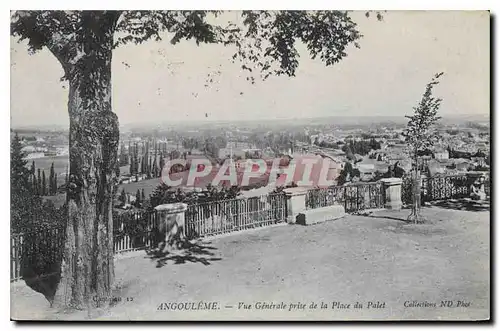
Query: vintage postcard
x,y
250,165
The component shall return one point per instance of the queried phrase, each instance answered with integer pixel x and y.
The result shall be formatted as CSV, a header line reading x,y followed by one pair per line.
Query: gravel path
x,y
374,260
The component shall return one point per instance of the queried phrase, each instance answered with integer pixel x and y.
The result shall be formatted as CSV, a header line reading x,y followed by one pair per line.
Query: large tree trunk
x,y
87,269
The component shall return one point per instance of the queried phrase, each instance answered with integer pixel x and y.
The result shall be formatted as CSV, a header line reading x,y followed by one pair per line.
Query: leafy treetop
x,y
420,133
264,41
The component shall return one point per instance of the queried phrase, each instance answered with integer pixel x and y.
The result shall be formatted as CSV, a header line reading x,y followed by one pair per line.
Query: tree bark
x,y
87,268
415,215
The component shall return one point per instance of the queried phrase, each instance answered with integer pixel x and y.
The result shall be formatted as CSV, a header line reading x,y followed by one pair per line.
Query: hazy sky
x,y
386,76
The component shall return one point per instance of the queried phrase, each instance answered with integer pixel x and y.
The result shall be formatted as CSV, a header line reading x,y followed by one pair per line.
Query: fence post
x,y
391,190
296,203
172,221
475,183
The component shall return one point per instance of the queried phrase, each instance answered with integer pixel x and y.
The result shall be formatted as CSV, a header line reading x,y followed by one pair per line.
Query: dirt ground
x,y
378,261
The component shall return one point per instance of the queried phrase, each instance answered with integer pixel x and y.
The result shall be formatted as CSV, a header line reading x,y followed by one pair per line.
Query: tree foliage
x,y
19,172
123,197
28,211
20,190
348,174
420,133
264,42
166,194
361,147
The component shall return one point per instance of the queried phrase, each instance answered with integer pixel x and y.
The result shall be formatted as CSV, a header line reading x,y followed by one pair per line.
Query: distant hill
x,y
40,128
464,118
327,120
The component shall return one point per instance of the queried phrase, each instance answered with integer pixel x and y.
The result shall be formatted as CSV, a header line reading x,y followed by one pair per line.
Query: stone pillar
x,y
172,222
296,203
475,180
391,188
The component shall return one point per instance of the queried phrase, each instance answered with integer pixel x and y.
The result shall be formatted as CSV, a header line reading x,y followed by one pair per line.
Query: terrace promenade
x,y
357,258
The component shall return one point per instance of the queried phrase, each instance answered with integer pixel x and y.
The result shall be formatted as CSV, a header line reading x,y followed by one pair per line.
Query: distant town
x,y
298,165
361,152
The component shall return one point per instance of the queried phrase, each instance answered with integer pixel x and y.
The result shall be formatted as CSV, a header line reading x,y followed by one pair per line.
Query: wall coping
x,y
295,191
172,208
392,181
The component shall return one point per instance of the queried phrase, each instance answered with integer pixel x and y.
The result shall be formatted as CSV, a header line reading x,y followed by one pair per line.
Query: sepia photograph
x,y
250,165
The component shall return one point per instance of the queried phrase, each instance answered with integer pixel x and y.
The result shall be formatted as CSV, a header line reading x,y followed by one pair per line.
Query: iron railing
x,y
437,188
354,197
140,229
135,230
226,216
447,187
324,197
487,185
36,252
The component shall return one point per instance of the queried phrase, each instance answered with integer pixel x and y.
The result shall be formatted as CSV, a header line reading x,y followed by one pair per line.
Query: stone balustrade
x,y
172,224
391,190
298,213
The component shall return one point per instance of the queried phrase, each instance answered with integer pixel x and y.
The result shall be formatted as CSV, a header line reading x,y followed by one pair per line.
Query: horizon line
x,y
211,121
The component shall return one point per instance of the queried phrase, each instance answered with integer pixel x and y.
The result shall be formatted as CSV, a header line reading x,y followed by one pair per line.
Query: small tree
x,y
39,182
138,198
154,168
132,164
19,185
66,178
349,153
347,174
123,197
44,184
33,177
420,135
162,164
52,185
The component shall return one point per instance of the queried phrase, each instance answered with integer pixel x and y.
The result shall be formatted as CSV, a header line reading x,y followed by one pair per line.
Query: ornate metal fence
x,y
354,197
406,191
437,188
323,197
487,185
37,252
135,230
442,188
226,216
